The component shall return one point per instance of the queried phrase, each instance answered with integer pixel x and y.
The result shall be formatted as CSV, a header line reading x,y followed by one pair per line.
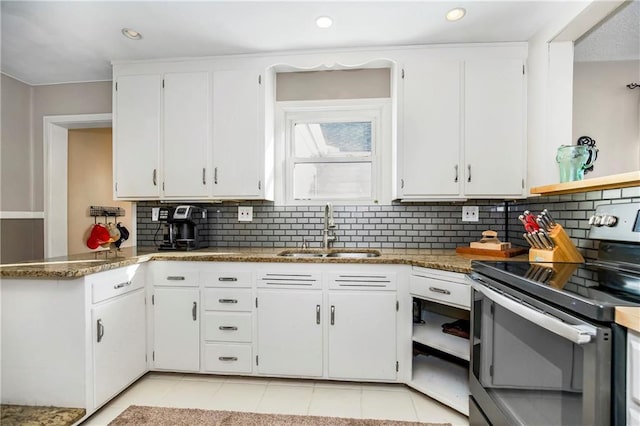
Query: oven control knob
x,y
596,220
609,220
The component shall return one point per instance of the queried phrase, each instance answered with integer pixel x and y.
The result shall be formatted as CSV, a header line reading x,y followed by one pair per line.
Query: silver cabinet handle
x,y
259,185
228,328
100,328
317,314
194,311
439,290
333,315
215,175
456,178
155,177
227,300
204,176
227,279
469,174
228,358
175,278
401,183
117,286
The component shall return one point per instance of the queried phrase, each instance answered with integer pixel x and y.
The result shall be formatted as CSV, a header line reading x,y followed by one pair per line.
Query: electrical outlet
x,y
245,214
470,213
155,214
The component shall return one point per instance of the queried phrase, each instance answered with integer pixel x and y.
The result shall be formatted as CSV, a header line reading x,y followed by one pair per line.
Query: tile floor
x,y
281,396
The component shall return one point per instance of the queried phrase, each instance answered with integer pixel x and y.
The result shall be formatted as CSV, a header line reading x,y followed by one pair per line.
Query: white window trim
x,y
379,112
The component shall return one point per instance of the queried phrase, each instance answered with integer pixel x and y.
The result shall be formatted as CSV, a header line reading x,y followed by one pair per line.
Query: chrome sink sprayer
x,y
329,226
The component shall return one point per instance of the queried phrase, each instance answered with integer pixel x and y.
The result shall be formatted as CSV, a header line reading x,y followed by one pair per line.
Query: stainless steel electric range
x,y
545,349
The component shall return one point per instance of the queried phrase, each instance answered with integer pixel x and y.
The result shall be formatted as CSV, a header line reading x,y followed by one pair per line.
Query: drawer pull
x,y
317,314
117,286
175,278
228,358
227,300
439,290
227,279
228,327
333,315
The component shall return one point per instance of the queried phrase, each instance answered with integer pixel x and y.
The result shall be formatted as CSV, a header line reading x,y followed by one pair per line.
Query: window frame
x,y
376,111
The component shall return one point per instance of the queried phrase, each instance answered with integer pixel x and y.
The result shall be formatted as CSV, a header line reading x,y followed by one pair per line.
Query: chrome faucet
x,y
329,225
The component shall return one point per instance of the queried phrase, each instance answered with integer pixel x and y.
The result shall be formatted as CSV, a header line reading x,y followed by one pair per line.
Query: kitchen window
x,y
330,151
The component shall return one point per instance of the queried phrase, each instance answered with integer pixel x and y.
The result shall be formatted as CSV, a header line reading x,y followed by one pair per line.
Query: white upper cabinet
x,y
238,141
187,130
431,129
494,127
187,135
137,130
461,125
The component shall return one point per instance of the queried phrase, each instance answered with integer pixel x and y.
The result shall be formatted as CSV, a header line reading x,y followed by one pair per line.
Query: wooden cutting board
x,y
513,251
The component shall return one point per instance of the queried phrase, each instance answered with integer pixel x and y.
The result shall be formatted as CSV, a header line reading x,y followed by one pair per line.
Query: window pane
x,y
332,180
313,140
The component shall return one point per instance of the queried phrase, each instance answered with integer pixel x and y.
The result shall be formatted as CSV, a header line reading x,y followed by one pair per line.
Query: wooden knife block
x,y
564,250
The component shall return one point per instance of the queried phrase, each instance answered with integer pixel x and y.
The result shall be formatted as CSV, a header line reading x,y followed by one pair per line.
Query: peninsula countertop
x,y
75,266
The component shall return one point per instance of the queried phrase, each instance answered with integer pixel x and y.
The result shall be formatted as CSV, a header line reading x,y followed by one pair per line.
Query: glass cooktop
x,y
591,289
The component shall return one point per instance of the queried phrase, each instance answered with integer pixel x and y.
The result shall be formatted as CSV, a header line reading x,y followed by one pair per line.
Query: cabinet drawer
x,y
173,274
240,279
108,284
447,292
360,281
227,358
227,299
228,326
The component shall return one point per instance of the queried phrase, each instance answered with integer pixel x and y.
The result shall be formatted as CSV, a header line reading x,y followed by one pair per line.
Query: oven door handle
x,y
578,334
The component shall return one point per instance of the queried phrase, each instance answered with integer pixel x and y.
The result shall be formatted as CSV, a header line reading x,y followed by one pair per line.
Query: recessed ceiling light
x,y
455,14
324,22
132,34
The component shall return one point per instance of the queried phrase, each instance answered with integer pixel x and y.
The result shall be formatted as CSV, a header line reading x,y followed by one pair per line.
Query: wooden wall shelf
x,y
623,180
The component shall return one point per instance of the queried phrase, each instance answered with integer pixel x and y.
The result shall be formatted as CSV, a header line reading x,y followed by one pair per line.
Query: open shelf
x,y
622,180
442,380
430,334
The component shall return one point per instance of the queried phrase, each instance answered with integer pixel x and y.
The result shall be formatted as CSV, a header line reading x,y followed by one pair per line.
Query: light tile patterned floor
x,y
281,396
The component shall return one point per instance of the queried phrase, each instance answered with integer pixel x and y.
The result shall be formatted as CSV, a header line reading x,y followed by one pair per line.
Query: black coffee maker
x,y
182,228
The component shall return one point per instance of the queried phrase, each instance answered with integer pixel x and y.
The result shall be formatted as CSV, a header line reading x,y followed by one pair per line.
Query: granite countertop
x,y
75,266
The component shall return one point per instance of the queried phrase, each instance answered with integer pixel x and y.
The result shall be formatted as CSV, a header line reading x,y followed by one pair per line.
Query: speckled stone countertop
x,y
23,415
76,266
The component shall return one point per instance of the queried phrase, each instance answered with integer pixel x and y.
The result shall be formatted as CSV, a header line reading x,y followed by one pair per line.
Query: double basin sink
x,y
349,254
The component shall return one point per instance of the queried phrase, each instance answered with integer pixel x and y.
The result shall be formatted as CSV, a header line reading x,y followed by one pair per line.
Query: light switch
x,y
245,214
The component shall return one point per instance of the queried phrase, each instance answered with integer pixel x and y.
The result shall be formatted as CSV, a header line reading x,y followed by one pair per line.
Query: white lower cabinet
x,y
176,330
362,335
119,344
439,298
290,326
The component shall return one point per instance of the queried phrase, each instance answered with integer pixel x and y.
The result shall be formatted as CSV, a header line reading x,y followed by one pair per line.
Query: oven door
x,y
533,364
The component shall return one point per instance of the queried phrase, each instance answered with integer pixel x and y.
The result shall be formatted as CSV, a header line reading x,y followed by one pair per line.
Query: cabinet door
x,y
119,344
176,329
187,134
290,332
633,378
494,127
136,144
430,142
238,146
362,335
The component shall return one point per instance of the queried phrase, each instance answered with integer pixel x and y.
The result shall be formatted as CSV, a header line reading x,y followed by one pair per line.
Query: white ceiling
x,y
616,38
70,41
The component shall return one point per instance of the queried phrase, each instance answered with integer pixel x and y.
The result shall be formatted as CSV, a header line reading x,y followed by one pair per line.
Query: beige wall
x,y
15,167
607,111
342,84
89,184
62,99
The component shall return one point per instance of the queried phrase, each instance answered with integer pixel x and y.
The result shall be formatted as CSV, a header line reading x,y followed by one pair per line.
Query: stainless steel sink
x,y
354,254
301,254
330,254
